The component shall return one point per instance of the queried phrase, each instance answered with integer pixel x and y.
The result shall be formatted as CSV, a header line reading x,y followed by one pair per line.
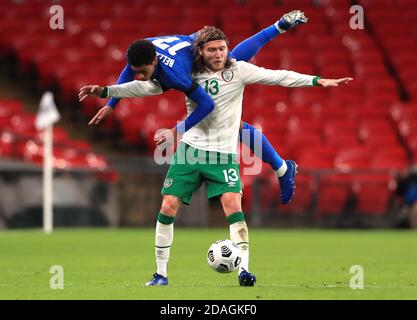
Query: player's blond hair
x,y
207,34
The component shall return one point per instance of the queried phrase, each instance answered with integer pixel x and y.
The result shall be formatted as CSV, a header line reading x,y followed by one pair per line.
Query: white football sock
x,y
240,236
163,240
281,171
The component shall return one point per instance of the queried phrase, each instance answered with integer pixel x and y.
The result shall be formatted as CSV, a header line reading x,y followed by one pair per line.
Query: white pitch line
x,y
332,286
20,284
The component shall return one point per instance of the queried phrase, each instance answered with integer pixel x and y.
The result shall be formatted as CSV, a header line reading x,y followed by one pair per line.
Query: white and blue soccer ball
x,y
224,256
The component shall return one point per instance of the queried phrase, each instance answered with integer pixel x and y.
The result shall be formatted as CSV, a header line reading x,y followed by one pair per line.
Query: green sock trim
x,y
236,217
315,79
165,219
105,92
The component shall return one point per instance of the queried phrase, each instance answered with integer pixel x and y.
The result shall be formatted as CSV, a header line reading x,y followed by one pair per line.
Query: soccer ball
x,y
224,256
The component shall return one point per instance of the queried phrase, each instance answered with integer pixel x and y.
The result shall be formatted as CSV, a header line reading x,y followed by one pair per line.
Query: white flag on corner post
x,y
47,113
46,117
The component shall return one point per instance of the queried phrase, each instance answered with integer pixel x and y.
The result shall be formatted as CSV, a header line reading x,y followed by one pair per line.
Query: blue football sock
x,y
269,155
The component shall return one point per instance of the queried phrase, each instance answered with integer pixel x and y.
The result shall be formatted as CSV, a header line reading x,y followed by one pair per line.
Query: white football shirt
x,y
219,131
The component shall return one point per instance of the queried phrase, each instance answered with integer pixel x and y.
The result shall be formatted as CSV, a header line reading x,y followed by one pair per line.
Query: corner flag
x,y
48,113
46,117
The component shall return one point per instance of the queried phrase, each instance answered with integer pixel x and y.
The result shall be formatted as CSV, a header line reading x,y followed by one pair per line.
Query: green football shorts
x,y
191,167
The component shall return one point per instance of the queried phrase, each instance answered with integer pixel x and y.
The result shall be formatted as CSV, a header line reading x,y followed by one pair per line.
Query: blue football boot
x,y
246,279
287,182
157,280
290,20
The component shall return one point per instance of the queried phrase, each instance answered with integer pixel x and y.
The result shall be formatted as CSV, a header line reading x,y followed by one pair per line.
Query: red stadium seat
x,y
411,142
267,59
348,159
79,145
303,196
7,144
300,141
247,199
353,128
64,157
23,124
303,125
316,157
407,126
365,113
238,27
162,12
224,4
375,127
60,135
255,4
302,113
332,113
190,26
388,161
265,16
237,14
373,193
342,141
336,128
400,111
333,195
131,128
335,57
9,107
383,142
306,96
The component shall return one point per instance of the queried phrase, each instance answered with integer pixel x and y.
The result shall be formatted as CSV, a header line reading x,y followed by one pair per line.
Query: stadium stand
x,y
363,128
21,140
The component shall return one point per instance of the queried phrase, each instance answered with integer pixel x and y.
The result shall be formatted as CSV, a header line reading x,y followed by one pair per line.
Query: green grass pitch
x,y
289,264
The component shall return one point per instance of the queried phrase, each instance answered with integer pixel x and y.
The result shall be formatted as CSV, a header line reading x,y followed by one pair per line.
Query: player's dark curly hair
x,y
141,52
208,33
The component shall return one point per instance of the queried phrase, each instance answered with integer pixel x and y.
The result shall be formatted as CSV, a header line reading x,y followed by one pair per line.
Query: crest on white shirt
x,y
168,183
227,75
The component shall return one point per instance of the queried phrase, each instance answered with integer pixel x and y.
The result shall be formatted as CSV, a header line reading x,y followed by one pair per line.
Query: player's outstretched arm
x,y
126,75
333,82
248,48
95,91
90,91
100,115
126,90
251,74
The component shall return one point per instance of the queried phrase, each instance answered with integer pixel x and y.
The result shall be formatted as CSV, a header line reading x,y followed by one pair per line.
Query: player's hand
x,y
165,135
290,20
333,82
90,91
100,115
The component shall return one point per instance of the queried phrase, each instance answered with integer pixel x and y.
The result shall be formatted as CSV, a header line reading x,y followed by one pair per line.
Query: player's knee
x,y
170,205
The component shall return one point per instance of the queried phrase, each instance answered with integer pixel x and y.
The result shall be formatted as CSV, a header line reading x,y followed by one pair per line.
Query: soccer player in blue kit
x,y
168,60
